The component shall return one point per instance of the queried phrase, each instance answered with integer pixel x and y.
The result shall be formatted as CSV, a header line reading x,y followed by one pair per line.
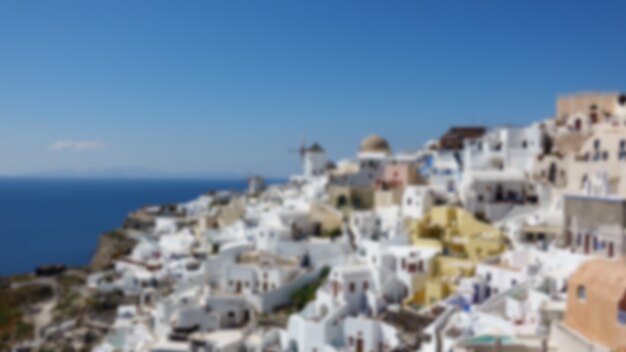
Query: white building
x,y
256,272
365,334
383,223
494,193
416,201
350,290
445,171
504,148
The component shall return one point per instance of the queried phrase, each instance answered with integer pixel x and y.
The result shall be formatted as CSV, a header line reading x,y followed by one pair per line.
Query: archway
x,y
342,201
552,172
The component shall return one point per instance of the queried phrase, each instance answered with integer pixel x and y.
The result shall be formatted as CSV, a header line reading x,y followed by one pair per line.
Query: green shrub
x,y
332,234
301,297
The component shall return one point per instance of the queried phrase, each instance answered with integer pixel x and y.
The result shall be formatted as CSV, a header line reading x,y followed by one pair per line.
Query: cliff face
x,y
111,245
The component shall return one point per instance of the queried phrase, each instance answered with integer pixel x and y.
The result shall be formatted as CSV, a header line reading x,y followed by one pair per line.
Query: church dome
x,y
374,144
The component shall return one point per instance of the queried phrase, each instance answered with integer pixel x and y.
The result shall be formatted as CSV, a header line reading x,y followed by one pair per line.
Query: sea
x,y
46,221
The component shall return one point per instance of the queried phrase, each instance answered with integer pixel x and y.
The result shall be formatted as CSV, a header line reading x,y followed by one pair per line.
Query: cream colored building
x,y
581,119
582,110
601,153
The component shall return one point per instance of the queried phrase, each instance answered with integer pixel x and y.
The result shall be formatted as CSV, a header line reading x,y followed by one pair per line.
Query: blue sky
x,y
227,87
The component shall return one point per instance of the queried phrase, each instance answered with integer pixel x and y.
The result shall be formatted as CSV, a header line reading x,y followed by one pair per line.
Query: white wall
x,y
416,201
314,164
268,301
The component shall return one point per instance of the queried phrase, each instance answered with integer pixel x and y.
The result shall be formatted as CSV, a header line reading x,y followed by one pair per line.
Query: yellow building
x,y
464,241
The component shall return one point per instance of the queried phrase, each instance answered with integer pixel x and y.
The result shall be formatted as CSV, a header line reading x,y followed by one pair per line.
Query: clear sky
x,y
227,87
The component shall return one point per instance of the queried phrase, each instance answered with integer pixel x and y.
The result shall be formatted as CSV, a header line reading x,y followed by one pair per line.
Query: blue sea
x,y
45,221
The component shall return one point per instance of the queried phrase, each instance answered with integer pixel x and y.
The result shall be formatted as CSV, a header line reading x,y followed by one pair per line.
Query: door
x,y
587,243
611,249
552,173
568,238
499,193
335,288
359,345
476,294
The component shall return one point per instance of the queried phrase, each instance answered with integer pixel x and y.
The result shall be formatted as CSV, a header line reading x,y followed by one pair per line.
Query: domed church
x,y
374,144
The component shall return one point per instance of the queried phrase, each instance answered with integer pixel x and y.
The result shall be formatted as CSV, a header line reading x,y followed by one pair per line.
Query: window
x,y
621,155
596,156
412,268
365,285
351,287
582,293
596,243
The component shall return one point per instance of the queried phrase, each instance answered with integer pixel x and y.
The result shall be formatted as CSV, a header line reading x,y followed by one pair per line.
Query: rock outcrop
x,y
111,245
